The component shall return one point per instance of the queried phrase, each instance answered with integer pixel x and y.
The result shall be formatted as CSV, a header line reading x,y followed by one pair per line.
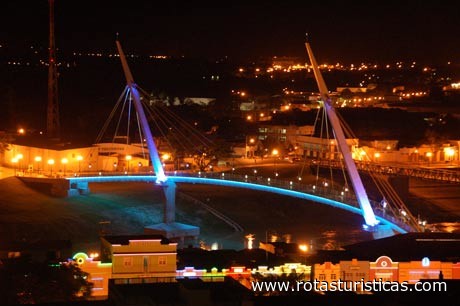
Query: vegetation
x,y
24,281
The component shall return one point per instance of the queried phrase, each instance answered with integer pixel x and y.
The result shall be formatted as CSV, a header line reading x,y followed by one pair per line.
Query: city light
x,y
303,247
165,156
128,159
250,238
450,152
51,163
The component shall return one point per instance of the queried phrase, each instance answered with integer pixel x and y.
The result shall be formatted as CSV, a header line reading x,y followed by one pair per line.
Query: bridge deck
x,y
324,195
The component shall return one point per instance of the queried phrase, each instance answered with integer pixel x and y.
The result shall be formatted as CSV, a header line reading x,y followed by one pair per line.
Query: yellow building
x,y
414,271
99,274
383,269
139,256
326,272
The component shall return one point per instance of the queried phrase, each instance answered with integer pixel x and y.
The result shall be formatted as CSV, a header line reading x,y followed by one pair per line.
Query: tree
x,y
5,141
29,282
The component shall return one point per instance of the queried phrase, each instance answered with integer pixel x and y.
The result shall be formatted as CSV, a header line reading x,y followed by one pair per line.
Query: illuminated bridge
x,y
383,219
338,198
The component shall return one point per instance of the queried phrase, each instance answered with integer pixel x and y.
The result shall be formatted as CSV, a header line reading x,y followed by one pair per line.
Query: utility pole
x,y
52,120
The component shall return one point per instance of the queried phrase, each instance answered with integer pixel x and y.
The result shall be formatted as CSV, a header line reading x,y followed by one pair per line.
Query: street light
x,y
376,156
450,153
304,249
64,161
128,159
250,147
79,158
429,155
51,163
14,161
38,159
275,153
19,156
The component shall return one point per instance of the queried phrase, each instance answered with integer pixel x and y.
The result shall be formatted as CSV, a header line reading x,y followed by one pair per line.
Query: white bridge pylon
x,y
358,187
169,187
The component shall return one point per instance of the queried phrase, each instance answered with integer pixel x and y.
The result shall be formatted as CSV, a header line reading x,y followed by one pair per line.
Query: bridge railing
x,y
414,171
335,193
338,194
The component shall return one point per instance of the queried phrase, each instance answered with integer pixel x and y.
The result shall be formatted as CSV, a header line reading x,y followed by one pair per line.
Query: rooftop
x,y
124,239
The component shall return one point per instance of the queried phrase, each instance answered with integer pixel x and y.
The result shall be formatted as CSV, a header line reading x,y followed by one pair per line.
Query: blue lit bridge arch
x,y
168,183
281,187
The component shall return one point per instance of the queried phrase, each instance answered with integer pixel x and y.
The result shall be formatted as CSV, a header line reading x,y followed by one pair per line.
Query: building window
x,y
360,275
333,276
162,260
322,277
127,261
14,254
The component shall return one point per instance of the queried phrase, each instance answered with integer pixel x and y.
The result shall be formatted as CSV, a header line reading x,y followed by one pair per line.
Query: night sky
x,y
427,31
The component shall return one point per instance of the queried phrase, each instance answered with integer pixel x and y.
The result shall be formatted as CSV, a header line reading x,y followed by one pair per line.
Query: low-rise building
x,y
383,269
138,256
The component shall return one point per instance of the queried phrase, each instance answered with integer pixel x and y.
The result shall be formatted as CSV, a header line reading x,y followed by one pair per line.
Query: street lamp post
x,y
19,157
275,153
51,163
450,154
38,159
79,159
429,155
376,157
128,159
14,161
64,161
250,147
304,249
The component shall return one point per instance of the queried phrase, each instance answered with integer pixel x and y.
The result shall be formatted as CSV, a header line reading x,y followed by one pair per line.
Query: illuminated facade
x,y
383,269
326,272
414,271
106,157
99,274
139,256
354,270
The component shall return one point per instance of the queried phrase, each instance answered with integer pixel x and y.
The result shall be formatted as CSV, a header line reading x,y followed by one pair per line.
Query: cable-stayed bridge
x,y
383,218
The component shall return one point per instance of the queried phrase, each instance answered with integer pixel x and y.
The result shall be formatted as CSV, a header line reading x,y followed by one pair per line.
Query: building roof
x,y
402,247
124,239
410,246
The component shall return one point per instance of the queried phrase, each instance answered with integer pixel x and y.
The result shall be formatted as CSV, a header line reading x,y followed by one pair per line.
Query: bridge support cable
x,y
156,162
358,186
170,130
110,117
311,135
391,200
398,207
176,125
